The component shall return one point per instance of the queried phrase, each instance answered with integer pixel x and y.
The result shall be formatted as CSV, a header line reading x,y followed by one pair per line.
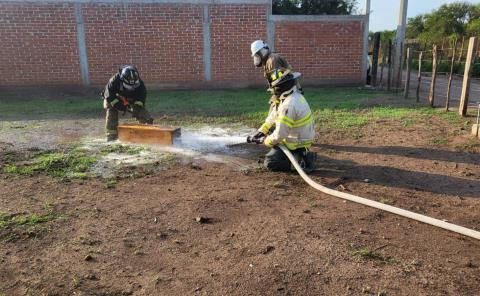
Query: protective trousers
x,y
277,161
111,120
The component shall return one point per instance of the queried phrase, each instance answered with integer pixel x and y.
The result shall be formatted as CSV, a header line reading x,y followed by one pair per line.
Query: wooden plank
x,y
409,69
431,95
472,48
148,134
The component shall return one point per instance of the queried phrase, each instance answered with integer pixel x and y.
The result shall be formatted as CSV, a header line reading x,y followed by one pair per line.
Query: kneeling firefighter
x,y
289,123
125,91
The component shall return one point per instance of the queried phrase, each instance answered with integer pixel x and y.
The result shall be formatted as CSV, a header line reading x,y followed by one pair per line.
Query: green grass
x,y
366,253
7,220
338,108
440,140
74,163
122,149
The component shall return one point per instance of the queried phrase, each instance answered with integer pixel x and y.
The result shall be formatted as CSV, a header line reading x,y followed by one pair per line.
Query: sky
x,y
384,13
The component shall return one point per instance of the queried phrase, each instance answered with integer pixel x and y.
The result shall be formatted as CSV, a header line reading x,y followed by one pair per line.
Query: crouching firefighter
x,y
289,123
125,91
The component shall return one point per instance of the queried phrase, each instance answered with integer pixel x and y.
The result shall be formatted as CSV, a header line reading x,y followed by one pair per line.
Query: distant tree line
x,y
449,21
314,7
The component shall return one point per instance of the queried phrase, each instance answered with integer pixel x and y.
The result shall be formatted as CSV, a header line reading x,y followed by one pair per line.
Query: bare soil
x,y
260,233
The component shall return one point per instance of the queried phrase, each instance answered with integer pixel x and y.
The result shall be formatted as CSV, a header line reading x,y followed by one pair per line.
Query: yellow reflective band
x,y
114,102
297,145
276,75
284,121
265,128
286,118
139,103
296,123
303,118
304,121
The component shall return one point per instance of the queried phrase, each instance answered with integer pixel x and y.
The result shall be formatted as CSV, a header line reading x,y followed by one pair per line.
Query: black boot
x,y
308,162
111,137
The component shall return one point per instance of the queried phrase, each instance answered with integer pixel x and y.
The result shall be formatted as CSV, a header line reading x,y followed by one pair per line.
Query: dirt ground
x,y
260,233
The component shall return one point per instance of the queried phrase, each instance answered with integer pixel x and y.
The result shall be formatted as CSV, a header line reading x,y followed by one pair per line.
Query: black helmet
x,y
129,75
283,80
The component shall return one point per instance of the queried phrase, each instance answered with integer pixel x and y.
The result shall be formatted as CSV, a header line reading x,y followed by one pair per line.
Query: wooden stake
x,y
376,47
400,73
472,47
461,50
431,95
419,77
407,80
447,100
389,76
383,65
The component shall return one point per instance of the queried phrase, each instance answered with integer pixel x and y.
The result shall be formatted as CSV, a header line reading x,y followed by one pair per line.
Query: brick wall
x,y
163,41
234,28
38,44
166,41
328,52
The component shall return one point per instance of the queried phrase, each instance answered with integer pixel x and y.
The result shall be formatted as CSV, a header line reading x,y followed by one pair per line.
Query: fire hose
x,y
378,205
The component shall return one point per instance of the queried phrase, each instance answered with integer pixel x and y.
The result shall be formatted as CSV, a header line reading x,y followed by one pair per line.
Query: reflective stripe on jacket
x,y
293,120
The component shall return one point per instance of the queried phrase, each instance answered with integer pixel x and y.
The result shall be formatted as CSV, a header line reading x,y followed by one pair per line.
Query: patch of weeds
x,y
110,182
35,231
76,282
471,146
440,140
342,119
74,163
88,241
9,156
168,159
122,149
406,122
366,253
33,219
356,135
387,201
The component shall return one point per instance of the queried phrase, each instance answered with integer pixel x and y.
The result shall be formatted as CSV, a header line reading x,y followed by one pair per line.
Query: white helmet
x,y
257,46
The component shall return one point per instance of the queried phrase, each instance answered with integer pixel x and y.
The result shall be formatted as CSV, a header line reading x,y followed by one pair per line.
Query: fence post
x,y
431,95
447,100
461,50
376,46
397,77
472,46
407,80
389,76
383,65
419,76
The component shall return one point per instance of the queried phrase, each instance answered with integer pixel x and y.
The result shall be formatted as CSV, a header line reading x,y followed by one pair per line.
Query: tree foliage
x,y
448,21
314,7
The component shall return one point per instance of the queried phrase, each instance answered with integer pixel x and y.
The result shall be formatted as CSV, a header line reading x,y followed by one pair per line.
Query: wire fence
x,y
433,73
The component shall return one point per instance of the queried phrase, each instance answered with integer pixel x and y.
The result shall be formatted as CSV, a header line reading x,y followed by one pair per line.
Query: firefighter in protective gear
x,y
269,61
290,123
125,91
